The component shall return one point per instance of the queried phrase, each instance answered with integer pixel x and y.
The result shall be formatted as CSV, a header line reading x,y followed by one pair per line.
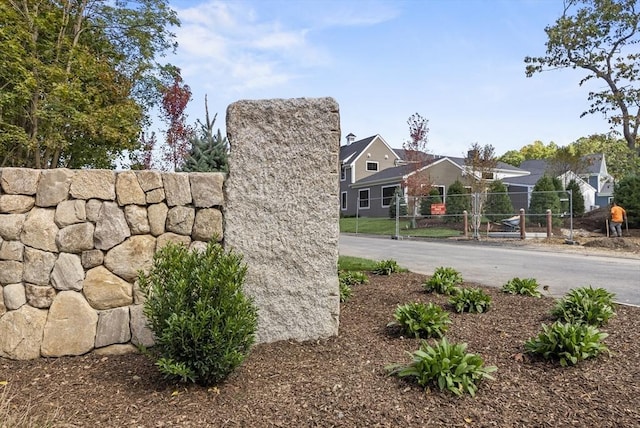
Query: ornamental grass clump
x,y
421,320
524,287
445,280
203,323
593,306
567,342
472,300
446,365
386,267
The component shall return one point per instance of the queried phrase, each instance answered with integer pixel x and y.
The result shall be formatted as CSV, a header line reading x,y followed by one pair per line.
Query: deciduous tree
x,y
175,98
417,181
601,38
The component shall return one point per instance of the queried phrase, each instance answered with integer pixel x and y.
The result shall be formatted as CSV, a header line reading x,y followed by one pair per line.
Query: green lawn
x,y
350,263
386,226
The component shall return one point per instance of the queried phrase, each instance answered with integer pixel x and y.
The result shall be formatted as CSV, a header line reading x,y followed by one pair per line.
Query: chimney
x,y
350,138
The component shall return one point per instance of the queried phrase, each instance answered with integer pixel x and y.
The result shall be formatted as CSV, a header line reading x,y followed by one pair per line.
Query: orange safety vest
x,y
617,214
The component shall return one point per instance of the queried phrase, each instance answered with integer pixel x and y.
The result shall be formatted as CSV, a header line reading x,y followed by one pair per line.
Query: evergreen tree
x,y
208,150
577,200
627,195
498,205
403,204
544,197
458,200
425,203
562,195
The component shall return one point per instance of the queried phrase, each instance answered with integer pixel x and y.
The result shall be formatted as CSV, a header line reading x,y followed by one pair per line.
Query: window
x,y
440,190
487,175
343,173
387,195
363,198
343,201
372,166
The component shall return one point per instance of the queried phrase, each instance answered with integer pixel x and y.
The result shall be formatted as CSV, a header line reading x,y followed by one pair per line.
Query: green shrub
x,y
421,320
345,292
352,277
525,287
587,305
471,300
567,342
443,281
386,267
458,200
446,365
498,205
203,323
627,194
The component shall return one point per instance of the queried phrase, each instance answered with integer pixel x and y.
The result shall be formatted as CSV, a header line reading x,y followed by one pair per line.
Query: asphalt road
x,y
494,265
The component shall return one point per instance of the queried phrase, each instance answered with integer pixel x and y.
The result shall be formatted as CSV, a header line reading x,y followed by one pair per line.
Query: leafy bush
x,y
587,305
203,323
446,365
471,300
421,320
525,287
345,291
567,342
443,281
352,277
386,267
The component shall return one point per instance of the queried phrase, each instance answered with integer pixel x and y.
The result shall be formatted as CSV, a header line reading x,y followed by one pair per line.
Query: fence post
x,y
523,233
466,223
549,223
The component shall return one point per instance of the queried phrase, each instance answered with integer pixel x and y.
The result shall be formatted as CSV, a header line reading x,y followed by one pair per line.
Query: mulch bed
x,y
342,382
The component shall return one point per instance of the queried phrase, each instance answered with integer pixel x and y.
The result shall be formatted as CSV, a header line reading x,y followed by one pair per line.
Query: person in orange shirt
x,y
618,215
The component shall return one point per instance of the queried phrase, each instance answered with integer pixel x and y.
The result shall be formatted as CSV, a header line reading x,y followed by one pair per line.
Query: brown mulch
x,y
342,381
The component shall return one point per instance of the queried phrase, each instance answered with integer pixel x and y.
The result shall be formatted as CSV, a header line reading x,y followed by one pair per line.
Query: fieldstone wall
x,y
72,242
282,212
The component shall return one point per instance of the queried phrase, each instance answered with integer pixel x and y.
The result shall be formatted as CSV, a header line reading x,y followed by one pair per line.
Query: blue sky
x,y
458,63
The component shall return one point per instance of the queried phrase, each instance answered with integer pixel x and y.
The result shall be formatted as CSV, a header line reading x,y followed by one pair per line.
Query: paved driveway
x,y
494,265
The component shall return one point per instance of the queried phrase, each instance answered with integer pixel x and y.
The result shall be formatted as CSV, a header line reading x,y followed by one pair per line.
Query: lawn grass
x,y
348,263
387,226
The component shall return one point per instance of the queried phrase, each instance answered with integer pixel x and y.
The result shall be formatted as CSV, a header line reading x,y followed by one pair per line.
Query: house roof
x,y
536,168
350,151
389,175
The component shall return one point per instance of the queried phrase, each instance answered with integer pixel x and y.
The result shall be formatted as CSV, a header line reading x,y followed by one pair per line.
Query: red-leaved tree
x,y
175,98
416,181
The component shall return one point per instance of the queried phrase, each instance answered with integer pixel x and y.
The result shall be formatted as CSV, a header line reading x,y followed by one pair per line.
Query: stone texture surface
x,y
16,204
128,190
176,188
93,209
198,246
39,229
206,189
154,196
137,219
21,333
53,187
149,180
67,273
94,184
117,349
76,238
141,334
130,257
19,181
104,290
71,326
14,296
10,271
3,308
92,258
11,250
11,226
38,266
157,215
111,227
286,147
207,225
70,212
113,327
39,296
165,238
180,220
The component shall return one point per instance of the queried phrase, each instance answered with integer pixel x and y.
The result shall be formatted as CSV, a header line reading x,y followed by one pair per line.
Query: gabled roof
x,y
536,168
350,151
595,164
499,165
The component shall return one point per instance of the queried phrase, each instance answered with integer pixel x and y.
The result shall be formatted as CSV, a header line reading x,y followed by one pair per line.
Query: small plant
x,y
345,292
588,305
443,281
567,342
352,277
421,320
471,300
386,267
203,324
525,287
446,365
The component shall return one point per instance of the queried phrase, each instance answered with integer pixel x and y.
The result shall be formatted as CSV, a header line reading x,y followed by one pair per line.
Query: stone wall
x,y
72,242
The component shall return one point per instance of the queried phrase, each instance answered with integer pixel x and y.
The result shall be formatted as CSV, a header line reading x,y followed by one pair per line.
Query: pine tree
x,y
208,150
433,198
498,205
458,200
544,197
577,198
403,204
627,194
